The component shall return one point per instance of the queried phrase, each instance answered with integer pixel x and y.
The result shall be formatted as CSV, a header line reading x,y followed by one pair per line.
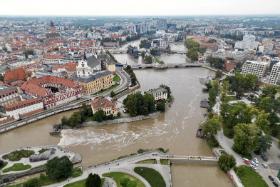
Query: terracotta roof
x,y
35,86
101,102
14,75
22,104
70,66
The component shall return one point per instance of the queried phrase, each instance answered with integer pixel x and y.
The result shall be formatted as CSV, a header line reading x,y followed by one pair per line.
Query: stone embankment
x,y
122,120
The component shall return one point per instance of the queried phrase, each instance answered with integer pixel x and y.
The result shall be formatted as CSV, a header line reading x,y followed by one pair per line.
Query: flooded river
x,y
175,130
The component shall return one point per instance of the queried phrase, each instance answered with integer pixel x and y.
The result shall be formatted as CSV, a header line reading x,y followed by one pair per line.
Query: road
x,y
124,83
273,157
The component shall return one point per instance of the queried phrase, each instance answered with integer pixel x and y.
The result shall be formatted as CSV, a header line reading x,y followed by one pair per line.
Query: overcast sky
x,y
138,7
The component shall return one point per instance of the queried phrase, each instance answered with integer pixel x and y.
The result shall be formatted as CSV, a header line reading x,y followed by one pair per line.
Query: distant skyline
x,y
134,8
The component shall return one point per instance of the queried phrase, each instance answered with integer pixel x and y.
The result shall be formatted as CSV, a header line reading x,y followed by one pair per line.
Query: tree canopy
x,y
93,180
226,162
59,168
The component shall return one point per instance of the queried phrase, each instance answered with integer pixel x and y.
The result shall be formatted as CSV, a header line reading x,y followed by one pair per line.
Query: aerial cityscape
x,y
139,94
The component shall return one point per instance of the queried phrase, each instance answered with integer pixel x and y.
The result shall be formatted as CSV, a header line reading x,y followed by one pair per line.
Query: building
x,y
8,95
105,104
274,77
159,93
14,75
52,90
229,65
248,43
23,108
255,67
88,67
96,82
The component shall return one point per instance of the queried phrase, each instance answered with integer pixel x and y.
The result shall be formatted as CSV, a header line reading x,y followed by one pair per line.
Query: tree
x,y
168,90
64,121
161,105
59,168
192,54
93,181
213,92
138,104
32,183
245,138
148,59
264,144
212,126
234,114
226,162
112,94
217,63
99,116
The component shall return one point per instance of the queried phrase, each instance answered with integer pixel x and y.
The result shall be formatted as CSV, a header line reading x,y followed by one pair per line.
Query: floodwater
x,y
174,130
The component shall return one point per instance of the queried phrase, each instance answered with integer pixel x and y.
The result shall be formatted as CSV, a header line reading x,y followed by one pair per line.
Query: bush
x,y
212,142
226,162
32,183
17,155
59,168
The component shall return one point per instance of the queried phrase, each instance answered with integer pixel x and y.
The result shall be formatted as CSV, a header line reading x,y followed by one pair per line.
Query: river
x,y
175,130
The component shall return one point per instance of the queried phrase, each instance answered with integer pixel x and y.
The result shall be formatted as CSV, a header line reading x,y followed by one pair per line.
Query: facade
x,y
275,74
25,107
52,90
248,43
88,67
8,95
159,93
14,75
97,82
255,68
105,104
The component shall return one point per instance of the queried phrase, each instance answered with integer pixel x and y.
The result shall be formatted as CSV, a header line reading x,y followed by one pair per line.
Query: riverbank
x,y
122,120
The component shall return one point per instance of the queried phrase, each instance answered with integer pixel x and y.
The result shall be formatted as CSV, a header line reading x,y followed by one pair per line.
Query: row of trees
x,y
132,75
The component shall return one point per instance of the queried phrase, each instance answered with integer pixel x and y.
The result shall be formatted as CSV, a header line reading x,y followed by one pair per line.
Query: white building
x,y
274,77
159,93
248,43
25,107
255,68
88,67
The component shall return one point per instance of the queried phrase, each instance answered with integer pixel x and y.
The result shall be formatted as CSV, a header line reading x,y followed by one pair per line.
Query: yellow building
x,y
97,82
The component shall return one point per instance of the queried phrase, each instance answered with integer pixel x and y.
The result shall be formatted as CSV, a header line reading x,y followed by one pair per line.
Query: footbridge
x,y
183,159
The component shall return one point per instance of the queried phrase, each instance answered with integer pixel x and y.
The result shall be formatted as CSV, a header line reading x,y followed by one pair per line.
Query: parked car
x,y
254,167
271,178
264,165
264,157
255,160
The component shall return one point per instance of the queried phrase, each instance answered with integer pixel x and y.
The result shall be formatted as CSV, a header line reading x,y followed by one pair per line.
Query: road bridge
x,y
165,66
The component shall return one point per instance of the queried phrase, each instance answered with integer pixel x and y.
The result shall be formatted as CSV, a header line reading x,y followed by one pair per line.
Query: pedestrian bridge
x,y
180,159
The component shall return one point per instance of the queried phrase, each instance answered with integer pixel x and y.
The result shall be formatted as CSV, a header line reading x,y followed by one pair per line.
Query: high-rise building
x,y
274,77
255,67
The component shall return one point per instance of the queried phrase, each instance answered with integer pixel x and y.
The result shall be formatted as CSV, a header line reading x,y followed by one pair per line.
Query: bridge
x,y
165,66
123,51
181,159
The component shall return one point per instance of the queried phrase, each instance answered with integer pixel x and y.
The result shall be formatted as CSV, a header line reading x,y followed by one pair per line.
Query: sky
x,y
137,7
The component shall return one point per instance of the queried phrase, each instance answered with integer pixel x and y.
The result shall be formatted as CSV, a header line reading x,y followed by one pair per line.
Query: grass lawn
x,y
81,183
17,155
76,172
119,177
17,167
249,177
116,78
164,161
152,176
148,161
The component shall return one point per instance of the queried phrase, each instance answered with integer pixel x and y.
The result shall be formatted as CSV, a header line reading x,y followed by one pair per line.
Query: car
x,y
264,157
275,184
265,165
256,160
271,178
252,166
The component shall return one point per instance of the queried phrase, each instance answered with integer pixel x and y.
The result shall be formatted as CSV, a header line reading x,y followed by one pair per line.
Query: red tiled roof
x,y
14,75
70,66
101,102
35,86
